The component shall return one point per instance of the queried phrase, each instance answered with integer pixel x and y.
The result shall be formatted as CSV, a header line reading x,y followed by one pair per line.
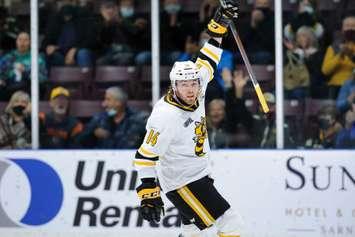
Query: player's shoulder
x,y
163,112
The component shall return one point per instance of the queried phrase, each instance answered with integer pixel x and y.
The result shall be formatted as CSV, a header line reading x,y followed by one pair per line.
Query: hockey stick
x,y
256,85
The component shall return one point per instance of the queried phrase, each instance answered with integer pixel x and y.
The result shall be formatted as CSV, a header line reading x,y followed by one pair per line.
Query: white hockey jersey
x,y
175,148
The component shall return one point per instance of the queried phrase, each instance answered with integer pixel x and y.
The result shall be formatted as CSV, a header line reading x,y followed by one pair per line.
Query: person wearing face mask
x,y
259,34
305,51
172,34
58,129
121,33
70,38
15,131
339,60
326,129
118,127
305,16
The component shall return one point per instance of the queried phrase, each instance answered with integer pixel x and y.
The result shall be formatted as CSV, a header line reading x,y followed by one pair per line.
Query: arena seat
x,y
264,74
146,73
88,108
328,5
145,84
75,79
141,105
294,108
314,105
107,76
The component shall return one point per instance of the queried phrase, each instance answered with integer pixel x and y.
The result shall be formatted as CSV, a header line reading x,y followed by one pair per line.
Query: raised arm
x,y
210,53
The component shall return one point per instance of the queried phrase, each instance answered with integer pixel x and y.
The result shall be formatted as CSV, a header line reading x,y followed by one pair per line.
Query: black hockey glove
x,y
152,205
224,16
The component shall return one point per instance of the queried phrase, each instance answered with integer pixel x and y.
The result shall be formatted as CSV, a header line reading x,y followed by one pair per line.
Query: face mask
x,y
308,9
18,110
111,112
349,35
172,8
60,110
127,12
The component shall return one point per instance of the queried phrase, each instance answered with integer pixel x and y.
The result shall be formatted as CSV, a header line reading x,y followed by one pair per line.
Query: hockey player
x,y
175,150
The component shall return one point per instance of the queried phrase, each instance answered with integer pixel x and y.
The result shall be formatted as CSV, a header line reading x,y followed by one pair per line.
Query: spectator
x,y
137,24
118,127
305,16
9,29
58,129
192,49
265,128
15,130
322,133
240,119
15,68
339,60
70,38
217,124
346,137
305,50
259,37
346,95
172,34
120,35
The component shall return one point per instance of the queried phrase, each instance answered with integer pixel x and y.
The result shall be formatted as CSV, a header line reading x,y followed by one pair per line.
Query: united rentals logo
x,y
30,187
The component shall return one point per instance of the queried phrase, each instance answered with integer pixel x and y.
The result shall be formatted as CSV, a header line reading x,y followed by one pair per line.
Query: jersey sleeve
x,y
208,59
156,141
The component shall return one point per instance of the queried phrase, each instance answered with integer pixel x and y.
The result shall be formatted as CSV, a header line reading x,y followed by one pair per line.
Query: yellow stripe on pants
x,y
196,205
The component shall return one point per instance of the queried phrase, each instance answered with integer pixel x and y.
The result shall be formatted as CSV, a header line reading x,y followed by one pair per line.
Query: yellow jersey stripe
x,y
210,54
189,200
199,204
147,163
146,153
207,65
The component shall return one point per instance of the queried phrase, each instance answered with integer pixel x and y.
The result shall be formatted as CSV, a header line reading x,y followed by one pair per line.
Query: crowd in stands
x,y
319,72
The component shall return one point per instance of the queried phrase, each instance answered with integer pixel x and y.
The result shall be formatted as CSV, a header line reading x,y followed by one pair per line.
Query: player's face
x,y
188,90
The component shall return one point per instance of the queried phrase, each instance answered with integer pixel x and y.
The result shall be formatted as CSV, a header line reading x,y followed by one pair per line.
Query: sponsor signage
x,y
278,193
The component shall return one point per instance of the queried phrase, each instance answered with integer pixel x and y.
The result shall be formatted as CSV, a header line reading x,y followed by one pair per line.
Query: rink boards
x,y
290,193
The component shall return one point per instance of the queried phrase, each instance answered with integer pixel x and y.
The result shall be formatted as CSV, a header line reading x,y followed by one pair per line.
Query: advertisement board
x,y
92,193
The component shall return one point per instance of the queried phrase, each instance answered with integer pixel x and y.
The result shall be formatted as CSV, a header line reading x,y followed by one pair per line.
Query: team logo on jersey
x,y
31,193
201,135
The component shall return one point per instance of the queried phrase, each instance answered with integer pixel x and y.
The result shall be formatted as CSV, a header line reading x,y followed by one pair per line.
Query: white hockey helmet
x,y
182,71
